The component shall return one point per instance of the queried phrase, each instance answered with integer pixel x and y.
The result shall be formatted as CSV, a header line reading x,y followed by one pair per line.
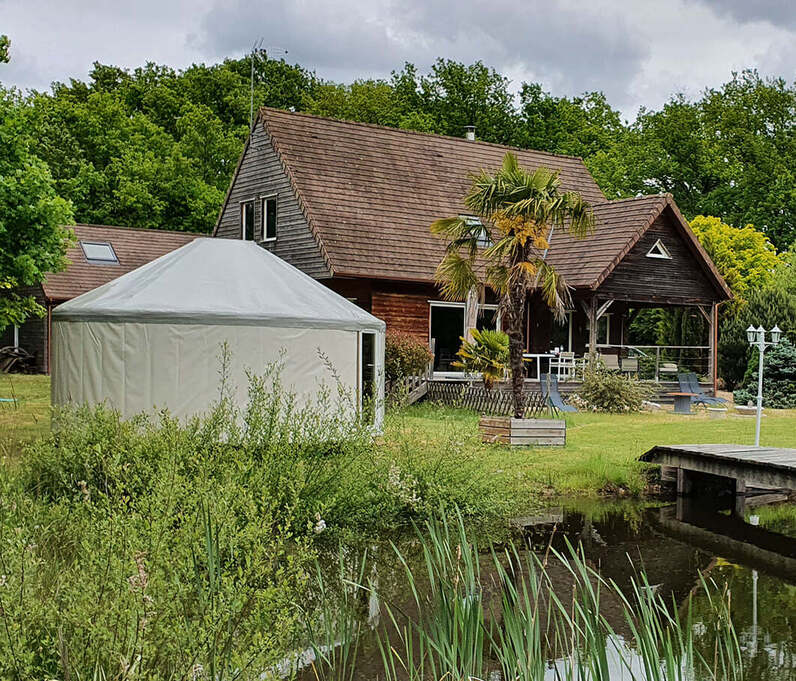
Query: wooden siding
x,y
405,312
681,280
261,174
33,335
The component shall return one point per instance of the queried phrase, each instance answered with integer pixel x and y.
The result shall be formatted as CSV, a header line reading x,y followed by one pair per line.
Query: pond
x,y
754,555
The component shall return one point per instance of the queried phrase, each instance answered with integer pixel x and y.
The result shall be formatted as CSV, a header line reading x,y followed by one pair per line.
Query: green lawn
x,y
602,449
28,417
601,454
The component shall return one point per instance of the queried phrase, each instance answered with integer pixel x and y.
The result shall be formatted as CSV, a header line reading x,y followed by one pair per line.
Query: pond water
x,y
755,555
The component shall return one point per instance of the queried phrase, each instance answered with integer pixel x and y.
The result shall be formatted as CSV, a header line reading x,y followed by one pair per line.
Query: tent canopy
x,y
219,281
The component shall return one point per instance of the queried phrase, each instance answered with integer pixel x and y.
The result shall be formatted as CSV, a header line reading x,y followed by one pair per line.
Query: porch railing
x,y
655,361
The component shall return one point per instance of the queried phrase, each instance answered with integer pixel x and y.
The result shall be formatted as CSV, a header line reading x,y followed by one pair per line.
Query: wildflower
x,y
3,580
84,490
139,580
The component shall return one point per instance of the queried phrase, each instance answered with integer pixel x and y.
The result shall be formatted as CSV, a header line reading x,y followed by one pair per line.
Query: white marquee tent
x,y
152,338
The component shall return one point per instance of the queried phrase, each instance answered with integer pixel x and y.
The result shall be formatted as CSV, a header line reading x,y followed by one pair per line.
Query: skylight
x,y
99,253
484,239
658,250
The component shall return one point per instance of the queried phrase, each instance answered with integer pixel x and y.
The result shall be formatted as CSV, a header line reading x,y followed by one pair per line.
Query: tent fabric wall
x,y
141,367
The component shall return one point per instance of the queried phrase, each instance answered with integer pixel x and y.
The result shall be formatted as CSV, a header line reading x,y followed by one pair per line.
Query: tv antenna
x,y
259,52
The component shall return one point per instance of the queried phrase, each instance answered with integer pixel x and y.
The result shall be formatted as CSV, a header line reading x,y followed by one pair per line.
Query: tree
x,y
5,47
744,256
519,209
487,354
32,216
765,306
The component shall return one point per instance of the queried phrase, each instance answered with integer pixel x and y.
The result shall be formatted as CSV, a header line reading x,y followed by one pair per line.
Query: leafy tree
x,y
5,47
764,306
518,208
32,216
744,256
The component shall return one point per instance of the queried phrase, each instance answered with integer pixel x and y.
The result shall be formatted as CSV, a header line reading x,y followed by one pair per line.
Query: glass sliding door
x,y
447,329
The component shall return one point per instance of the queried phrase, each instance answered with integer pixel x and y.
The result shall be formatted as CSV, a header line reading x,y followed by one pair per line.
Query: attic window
x,y
660,251
484,239
99,253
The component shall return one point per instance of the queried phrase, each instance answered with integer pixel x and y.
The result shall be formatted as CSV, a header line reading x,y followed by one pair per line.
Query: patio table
x,y
537,358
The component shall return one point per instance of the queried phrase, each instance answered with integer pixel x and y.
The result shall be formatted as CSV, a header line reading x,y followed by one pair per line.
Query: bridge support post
x,y
684,483
740,497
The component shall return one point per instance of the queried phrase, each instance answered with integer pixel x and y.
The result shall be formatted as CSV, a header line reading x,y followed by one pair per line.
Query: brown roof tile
x,y
370,194
133,247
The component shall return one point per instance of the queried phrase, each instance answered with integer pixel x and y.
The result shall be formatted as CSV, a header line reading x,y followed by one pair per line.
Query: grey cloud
x,y
568,49
776,12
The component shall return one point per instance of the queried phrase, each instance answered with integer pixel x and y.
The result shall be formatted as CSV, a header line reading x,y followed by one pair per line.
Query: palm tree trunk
x,y
516,309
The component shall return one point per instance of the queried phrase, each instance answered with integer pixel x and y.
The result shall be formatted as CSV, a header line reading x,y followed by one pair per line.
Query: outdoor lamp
x,y
761,334
775,334
751,332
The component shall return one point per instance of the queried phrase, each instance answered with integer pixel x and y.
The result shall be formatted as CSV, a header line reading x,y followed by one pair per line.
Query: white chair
x,y
564,365
611,362
630,365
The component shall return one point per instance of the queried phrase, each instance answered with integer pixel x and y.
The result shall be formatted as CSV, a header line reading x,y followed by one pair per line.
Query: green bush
x,y
779,378
487,354
404,355
610,391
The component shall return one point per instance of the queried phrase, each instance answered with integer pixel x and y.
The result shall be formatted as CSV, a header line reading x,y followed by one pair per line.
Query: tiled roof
x,y
370,194
133,247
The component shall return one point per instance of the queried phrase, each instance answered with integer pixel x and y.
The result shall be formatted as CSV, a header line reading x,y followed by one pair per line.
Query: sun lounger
x,y
689,383
551,394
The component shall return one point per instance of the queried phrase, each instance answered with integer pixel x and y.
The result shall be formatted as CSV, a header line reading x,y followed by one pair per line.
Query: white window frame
x,y
241,204
99,261
659,251
263,200
569,330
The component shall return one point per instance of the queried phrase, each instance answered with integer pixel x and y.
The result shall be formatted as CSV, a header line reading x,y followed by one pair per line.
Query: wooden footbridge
x,y
747,466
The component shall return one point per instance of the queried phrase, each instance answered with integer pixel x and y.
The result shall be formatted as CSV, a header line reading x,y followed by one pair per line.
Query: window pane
x,y
102,251
487,319
368,374
247,220
602,330
560,335
269,218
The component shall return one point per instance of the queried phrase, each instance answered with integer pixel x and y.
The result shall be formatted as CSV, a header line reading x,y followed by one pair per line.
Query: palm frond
x,y
456,275
555,291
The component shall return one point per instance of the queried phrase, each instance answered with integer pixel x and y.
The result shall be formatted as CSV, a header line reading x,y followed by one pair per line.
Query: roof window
x,y
99,253
659,250
483,239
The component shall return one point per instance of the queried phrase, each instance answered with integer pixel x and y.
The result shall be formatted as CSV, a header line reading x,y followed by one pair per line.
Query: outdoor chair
x,y
668,368
611,362
689,383
564,365
551,394
630,365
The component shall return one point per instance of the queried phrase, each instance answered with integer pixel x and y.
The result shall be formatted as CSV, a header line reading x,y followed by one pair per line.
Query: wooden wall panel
x,y
405,312
260,174
681,280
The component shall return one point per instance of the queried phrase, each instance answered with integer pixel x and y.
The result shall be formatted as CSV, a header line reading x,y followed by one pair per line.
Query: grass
x,y
26,419
601,454
602,449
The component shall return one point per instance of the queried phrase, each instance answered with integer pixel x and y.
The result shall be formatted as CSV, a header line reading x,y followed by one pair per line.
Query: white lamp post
x,y
757,339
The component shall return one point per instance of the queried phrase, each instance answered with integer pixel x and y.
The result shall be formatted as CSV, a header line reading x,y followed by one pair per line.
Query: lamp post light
x,y
757,339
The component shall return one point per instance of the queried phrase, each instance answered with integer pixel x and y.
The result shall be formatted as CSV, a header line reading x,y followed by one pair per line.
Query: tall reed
x,y
530,618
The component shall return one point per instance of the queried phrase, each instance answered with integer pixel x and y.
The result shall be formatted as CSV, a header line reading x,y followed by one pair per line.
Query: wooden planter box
x,y
523,432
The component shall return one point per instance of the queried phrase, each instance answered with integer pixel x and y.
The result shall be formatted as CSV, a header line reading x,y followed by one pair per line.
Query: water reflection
x,y
755,557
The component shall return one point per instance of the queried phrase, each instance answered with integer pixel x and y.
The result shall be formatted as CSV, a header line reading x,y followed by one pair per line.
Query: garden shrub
x,y
779,378
404,355
610,391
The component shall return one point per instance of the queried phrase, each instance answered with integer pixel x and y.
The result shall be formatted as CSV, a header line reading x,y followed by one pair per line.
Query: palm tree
x,y
514,211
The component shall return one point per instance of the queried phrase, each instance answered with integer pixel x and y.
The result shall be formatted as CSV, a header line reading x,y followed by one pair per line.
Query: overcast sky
x,y
637,51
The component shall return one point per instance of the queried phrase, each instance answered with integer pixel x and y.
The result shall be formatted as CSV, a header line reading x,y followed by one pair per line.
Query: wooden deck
x,y
769,467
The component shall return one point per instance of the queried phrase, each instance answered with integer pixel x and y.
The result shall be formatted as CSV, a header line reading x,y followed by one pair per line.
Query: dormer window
x,y
660,251
484,239
99,253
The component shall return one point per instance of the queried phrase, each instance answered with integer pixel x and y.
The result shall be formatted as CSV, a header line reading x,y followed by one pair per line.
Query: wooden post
x,y
714,346
740,497
684,483
592,315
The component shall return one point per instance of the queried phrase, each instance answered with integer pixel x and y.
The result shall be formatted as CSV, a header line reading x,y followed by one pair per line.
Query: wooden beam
x,y
707,315
591,313
713,359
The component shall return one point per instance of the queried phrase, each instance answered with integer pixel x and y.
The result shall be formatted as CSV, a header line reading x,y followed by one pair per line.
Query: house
x,y
351,204
100,254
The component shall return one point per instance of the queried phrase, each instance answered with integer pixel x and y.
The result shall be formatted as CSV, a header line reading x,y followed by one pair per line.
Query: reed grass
x,y
480,613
